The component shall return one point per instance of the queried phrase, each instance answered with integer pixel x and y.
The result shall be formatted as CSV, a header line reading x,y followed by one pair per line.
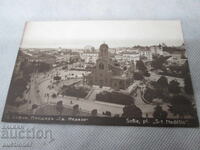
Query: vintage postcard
x,y
131,73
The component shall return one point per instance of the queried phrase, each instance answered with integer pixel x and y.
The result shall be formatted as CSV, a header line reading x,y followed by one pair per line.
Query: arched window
x,y
101,66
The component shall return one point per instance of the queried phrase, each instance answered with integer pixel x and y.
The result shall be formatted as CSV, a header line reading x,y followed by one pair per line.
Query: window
x,y
115,84
101,66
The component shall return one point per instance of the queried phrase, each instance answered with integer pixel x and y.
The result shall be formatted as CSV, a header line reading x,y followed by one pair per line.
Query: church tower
x,y
106,73
102,72
103,51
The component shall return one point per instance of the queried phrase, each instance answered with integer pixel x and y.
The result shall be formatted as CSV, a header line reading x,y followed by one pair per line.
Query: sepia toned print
x,y
103,73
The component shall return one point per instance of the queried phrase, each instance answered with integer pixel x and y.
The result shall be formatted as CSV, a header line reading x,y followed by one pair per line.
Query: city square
x,y
94,73
104,73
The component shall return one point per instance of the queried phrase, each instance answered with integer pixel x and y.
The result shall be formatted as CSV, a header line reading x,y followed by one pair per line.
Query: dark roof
x,y
103,45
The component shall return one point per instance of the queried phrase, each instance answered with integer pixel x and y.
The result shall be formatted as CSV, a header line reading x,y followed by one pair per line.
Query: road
x,y
32,95
42,83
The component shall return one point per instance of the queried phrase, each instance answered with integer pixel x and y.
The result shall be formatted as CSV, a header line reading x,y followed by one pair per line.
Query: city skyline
x,y
78,34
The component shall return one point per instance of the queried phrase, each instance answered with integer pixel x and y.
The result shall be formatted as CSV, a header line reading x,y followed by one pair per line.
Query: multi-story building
x,y
156,50
145,53
89,57
130,56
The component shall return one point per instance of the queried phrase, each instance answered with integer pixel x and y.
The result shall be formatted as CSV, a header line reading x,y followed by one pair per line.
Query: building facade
x,y
156,50
89,57
145,53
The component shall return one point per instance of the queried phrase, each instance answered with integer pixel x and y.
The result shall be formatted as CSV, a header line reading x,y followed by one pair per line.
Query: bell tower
x,y
103,51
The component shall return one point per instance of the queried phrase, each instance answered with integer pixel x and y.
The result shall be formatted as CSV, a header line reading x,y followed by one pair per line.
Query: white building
x,y
145,53
128,56
89,57
156,50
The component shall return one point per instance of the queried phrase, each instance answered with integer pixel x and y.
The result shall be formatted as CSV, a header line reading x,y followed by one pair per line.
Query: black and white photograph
x,y
105,72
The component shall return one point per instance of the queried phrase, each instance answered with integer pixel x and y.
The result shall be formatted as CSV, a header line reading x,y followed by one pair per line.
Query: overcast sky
x,y
78,34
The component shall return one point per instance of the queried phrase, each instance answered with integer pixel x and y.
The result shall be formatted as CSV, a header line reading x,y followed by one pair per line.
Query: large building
x,y
148,52
128,56
145,53
89,56
156,50
108,73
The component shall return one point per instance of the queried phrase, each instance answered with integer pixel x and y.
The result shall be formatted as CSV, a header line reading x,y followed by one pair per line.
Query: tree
x,y
79,92
34,106
141,66
147,74
59,107
132,111
188,84
174,87
94,112
43,67
54,95
115,97
158,61
124,68
149,94
159,113
162,81
138,76
181,106
186,67
75,109
57,78
107,113
187,79
194,112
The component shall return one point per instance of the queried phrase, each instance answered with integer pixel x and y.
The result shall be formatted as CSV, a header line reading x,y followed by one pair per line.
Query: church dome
x,y
103,51
103,46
